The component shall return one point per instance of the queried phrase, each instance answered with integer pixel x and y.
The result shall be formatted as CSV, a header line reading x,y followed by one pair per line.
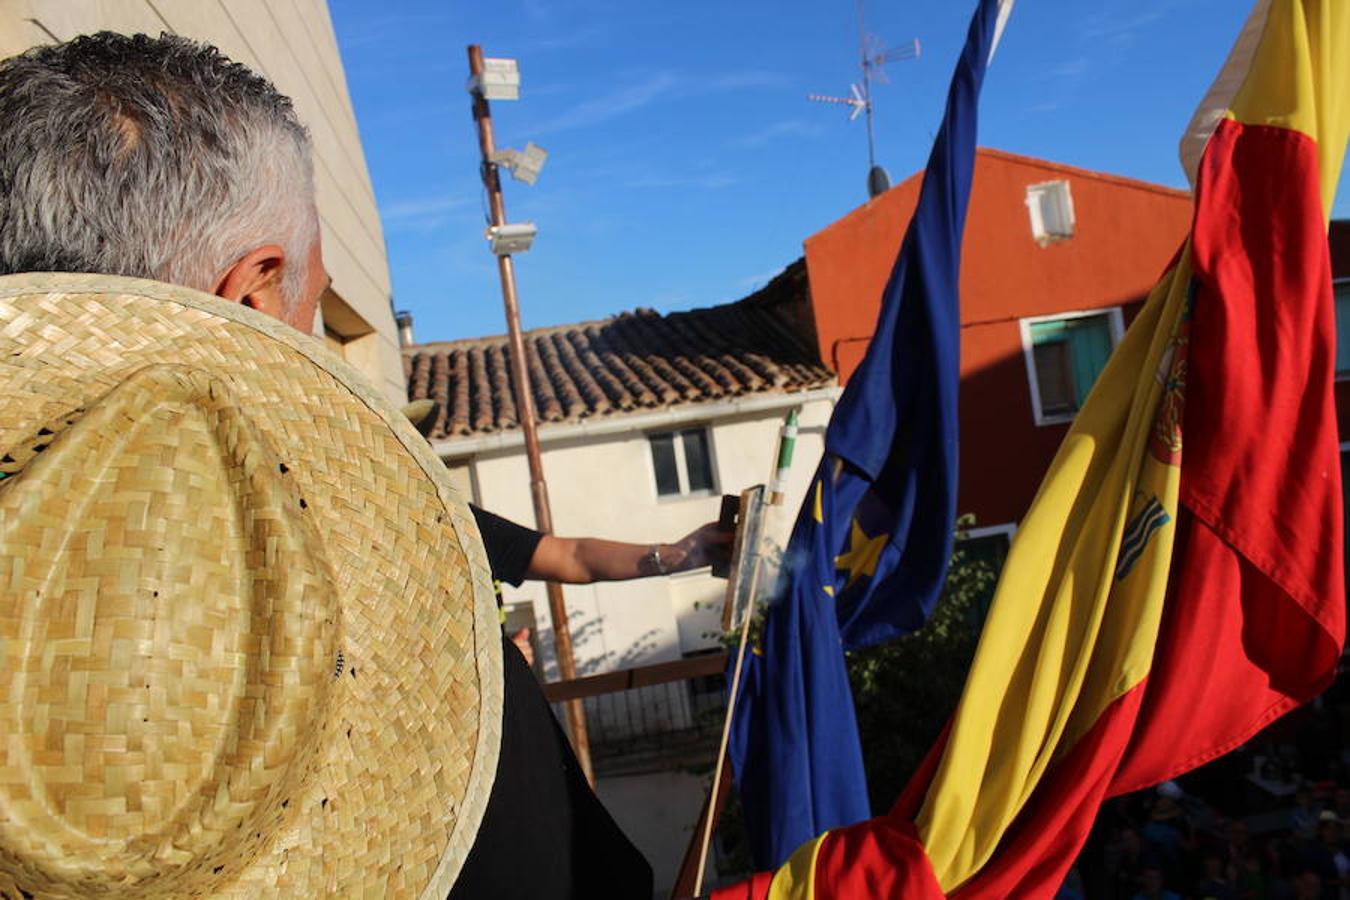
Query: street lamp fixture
x,y
499,80
524,165
508,239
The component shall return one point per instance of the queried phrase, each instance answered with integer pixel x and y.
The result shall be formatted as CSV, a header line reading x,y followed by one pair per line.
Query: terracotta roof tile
x,y
634,361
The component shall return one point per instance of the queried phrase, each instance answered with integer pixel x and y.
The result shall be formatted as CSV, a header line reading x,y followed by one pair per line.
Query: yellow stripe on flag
x,y
796,878
1287,69
1297,79
1076,613
1065,638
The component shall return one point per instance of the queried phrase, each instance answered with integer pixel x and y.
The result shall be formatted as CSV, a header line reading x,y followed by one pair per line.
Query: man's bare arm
x,y
587,560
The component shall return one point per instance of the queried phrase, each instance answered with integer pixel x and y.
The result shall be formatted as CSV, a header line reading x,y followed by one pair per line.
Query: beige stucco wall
x,y
293,44
604,486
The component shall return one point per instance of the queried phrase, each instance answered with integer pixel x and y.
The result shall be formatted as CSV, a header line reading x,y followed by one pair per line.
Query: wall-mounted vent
x,y
1051,207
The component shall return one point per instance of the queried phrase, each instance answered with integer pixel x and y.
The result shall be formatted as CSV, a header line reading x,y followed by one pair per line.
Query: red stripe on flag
x,y
883,857
1037,851
878,858
757,888
1261,463
1255,614
1234,655
1256,608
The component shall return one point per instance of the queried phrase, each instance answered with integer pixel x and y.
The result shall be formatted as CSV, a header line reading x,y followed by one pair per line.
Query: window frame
x,y
1116,324
1008,529
1338,376
682,463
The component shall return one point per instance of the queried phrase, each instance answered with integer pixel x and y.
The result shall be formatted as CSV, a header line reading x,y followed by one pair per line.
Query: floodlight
x,y
524,165
500,80
509,239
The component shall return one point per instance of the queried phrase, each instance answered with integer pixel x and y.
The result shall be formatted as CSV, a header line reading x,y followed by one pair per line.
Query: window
x,y
1064,356
983,551
1342,289
682,462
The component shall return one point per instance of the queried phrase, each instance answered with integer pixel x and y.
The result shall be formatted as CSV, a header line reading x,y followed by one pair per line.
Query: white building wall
x,y
292,43
604,486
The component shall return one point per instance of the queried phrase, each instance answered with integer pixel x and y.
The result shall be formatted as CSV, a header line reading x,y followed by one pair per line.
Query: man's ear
x,y
255,280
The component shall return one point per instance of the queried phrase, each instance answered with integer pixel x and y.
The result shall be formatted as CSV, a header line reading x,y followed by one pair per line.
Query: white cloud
x,y
611,105
712,181
750,78
1073,68
1119,30
661,86
787,128
423,212
561,40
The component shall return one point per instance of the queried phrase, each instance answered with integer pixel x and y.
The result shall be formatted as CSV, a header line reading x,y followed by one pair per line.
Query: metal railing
x,y
653,718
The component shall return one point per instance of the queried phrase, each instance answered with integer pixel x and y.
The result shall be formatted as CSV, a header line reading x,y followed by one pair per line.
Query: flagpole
x,y
712,807
709,824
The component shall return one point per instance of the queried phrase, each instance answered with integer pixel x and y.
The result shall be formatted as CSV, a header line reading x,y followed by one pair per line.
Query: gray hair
x,y
152,157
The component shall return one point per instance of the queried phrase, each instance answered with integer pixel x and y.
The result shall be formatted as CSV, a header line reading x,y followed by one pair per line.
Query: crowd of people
x,y
1270,820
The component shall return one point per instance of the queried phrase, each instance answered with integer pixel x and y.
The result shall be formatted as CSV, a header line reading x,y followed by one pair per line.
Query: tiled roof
x,y
631,362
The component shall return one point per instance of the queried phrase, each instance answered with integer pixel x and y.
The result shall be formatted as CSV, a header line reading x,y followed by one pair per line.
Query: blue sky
x,y
686,165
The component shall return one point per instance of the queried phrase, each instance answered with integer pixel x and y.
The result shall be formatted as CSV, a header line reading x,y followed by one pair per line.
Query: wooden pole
x,y
689,881
713,804
723,761
520,383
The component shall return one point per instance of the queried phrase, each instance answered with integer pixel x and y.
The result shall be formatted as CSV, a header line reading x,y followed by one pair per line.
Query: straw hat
x,y
248,645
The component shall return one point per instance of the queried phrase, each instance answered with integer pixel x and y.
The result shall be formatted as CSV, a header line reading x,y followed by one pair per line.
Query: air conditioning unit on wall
x,y
1050,205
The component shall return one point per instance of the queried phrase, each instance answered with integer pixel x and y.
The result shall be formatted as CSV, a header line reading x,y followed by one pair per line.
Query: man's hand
x,y
706,545
522,641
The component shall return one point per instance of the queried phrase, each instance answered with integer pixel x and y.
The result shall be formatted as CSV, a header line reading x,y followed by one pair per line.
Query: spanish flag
x,y
1178,581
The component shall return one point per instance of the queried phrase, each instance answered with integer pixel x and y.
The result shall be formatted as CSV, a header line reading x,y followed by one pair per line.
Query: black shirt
x,y
544,834
510,547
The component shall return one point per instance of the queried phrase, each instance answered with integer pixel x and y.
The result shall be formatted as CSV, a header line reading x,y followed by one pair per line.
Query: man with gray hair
x,y
159,158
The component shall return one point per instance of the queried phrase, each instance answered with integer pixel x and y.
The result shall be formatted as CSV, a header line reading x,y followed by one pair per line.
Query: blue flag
x,y
869,551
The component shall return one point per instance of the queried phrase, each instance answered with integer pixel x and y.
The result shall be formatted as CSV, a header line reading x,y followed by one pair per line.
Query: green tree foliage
x,y
906,690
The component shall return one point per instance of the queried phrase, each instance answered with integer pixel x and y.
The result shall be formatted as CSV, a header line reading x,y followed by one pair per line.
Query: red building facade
x,y
1056,262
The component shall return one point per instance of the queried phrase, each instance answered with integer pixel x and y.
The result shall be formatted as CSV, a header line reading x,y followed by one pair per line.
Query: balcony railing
x,y
656,718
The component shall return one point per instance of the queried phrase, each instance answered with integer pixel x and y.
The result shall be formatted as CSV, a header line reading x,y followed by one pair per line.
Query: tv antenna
x,y
874,56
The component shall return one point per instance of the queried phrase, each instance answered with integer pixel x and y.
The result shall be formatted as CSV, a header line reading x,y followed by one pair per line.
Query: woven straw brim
x,y
382,776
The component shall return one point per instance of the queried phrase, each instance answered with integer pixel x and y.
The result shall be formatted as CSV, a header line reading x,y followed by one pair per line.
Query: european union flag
x,y
869,551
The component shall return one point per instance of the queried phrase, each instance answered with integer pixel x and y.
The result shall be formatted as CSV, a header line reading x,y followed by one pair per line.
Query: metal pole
x,y
867,84
520,382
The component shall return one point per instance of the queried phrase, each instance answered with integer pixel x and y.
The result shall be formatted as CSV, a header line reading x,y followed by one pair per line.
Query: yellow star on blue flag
x,y
860,560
